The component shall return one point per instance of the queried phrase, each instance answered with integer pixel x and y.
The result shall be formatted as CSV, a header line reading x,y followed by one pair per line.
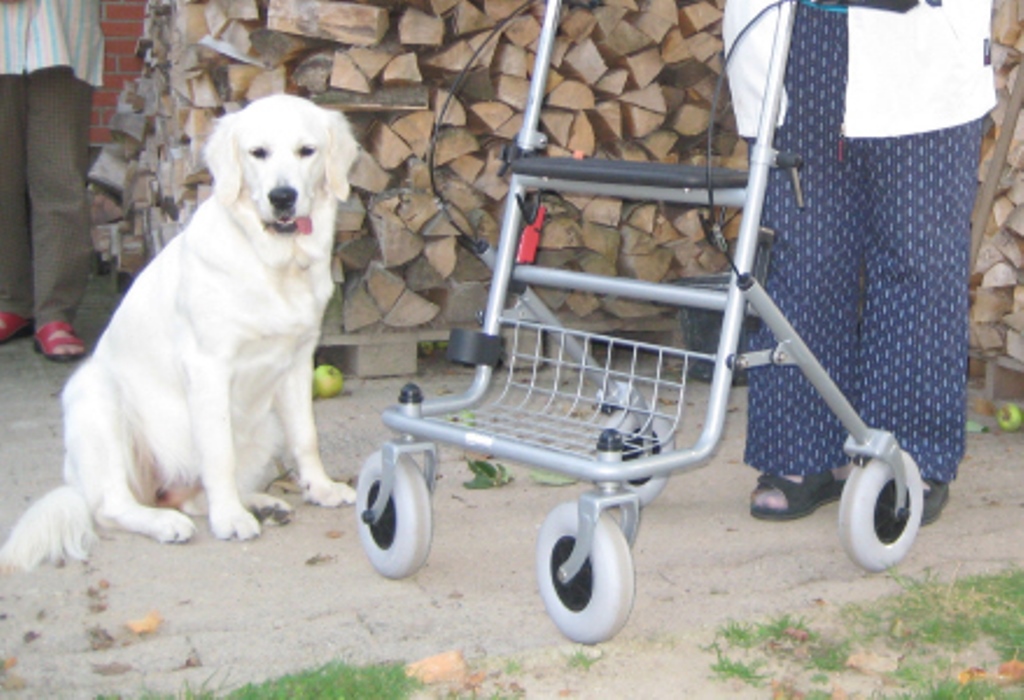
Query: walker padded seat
x,y
616,172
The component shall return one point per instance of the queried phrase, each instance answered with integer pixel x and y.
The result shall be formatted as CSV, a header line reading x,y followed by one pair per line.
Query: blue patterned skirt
x,y
872,274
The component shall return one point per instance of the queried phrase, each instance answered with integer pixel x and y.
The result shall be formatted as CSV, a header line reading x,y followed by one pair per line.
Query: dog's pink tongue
x,y
304,224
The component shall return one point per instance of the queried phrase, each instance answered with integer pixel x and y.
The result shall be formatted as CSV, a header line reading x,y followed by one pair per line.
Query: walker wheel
x,y
594,605
399,542
873,535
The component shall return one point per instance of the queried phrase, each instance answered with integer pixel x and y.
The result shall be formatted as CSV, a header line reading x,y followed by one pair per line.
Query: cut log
x,y
402,70
345,74
411,310
315,72
384,286
387,147
571,94
440,253
398,245
418,28
698,16
345,22
358,308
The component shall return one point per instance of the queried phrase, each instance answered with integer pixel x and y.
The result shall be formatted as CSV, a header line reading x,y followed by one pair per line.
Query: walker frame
x,y
605,409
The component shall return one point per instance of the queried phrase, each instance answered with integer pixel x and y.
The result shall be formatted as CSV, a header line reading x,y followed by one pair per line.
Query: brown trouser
x,y
45,244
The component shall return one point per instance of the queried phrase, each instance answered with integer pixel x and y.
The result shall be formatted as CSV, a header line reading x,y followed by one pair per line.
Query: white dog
x,y
205,372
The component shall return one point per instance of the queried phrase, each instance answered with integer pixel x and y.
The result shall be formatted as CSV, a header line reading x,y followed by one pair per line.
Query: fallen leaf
x,y
487,475
99,638
31,636
334,534
871,664
797,634
546,478
193,660
12,681
114,668
147,624
449,667
971,674
1011,672
319,559
10,662
784,690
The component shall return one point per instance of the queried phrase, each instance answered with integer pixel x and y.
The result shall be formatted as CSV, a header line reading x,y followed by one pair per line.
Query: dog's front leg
x,y
209,399
294,405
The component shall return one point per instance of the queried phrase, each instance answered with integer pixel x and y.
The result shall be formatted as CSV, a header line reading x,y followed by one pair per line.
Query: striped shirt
x,y
37,34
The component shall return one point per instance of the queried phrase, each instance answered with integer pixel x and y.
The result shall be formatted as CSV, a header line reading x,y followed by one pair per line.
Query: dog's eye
x,y
259,153
306,151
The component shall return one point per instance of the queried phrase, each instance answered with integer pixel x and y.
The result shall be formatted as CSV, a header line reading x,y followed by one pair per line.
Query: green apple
x,y
1010,417
327,381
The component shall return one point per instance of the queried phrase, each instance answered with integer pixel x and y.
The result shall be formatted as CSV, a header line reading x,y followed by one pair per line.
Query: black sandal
x,y
936,496
802,498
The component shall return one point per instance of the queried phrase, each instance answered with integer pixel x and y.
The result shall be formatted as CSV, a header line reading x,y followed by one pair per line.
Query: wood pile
x,y
997,280
631,79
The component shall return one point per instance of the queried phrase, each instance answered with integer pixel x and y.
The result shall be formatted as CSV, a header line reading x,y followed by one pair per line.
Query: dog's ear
x,y
341,155
222,158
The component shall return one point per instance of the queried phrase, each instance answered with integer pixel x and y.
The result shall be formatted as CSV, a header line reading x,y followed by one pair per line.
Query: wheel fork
x,y
591,505
390,454
881,444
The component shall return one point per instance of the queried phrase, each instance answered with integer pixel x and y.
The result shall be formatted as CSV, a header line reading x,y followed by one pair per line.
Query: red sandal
x,y
57,341
13,326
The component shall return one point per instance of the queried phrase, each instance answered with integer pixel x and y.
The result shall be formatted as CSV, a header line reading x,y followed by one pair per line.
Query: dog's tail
x,y
54,528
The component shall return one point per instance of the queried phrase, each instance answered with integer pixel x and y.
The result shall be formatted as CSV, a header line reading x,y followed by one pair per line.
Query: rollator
x,y
605,409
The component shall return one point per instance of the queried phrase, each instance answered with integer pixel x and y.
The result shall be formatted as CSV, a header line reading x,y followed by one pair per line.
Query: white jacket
x,y
909,73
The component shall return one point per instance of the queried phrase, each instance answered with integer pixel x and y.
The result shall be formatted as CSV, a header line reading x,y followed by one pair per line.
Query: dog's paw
x,y
172,527
234,524
268,509
330,494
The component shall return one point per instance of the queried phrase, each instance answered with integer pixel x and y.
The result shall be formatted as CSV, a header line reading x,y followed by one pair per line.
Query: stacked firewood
x,y
435,90
997,281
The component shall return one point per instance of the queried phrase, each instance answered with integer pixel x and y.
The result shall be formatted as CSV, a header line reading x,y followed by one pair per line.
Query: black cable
x,y
725,58
455,87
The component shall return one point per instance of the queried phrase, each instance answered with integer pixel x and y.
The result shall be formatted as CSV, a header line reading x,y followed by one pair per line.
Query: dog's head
x,y
280,156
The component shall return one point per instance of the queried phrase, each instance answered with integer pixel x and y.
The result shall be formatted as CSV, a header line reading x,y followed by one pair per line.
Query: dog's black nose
x,y
283,198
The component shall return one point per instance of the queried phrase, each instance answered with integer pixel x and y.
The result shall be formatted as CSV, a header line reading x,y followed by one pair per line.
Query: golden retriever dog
x,y
204,376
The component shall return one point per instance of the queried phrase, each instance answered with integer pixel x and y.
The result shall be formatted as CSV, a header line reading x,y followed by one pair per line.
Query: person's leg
x,y
58,166
15,246
814,278
915,321
58,163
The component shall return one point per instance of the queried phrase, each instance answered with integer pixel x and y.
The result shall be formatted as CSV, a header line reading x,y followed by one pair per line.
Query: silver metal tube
x,y
802,356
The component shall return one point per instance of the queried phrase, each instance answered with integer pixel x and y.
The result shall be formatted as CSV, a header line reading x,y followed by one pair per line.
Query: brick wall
x,y
122,28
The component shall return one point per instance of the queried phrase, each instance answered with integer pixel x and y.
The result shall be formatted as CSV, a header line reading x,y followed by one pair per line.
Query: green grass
x,y
921,638
335,681
583,659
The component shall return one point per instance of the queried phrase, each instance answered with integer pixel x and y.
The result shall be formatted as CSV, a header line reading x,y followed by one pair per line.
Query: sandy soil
x,y
305,594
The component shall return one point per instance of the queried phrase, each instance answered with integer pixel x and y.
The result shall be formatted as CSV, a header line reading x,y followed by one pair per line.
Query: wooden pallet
x,y
378,354
1004,378
395,354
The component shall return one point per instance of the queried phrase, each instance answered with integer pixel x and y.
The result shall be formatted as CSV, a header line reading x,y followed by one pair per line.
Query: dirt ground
x,y
305,594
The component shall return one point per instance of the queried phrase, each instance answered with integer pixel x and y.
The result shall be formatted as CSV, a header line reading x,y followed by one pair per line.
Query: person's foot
x,y
13,326
791,497
57,341
936,496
